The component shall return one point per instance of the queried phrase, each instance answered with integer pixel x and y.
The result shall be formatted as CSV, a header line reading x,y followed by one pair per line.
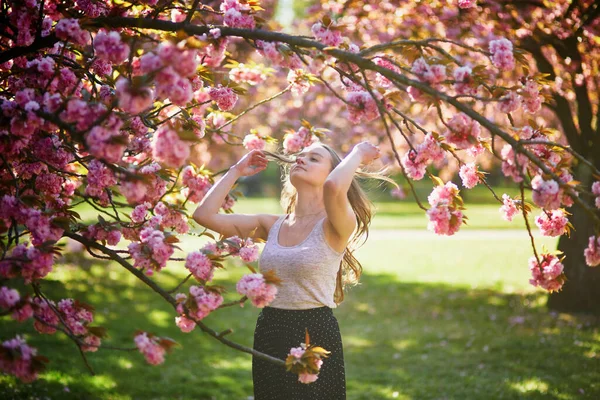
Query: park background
x,y
434,317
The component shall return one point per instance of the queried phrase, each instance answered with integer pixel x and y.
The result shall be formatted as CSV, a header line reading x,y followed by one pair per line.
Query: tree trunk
x,y
581,291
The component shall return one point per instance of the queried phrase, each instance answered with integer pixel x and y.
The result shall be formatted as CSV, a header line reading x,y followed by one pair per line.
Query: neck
x,y
309,201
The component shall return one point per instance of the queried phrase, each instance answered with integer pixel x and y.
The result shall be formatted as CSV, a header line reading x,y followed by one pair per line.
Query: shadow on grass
x,y
401,340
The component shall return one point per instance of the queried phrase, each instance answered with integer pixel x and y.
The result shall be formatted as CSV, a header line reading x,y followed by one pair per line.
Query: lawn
x,y
434,318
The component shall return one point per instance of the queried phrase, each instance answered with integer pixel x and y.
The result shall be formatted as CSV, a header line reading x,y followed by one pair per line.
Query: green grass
x,y
434,318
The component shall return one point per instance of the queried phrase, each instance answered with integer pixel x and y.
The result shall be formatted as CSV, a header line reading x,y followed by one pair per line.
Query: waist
x,y
316,310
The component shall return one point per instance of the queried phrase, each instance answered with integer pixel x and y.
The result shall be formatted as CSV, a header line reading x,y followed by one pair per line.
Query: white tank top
x,y
308,270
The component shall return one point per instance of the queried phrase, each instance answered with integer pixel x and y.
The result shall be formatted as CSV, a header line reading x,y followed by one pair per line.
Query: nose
x,y
299,161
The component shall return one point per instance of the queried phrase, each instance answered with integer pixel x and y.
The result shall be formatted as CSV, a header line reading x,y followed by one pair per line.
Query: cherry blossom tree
x,y
109,104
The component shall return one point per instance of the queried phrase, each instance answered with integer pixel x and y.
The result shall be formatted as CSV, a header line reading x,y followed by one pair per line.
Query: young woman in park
x,y
308,249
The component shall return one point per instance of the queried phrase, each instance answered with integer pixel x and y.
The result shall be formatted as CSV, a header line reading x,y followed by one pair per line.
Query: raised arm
x,y
207,212
335,191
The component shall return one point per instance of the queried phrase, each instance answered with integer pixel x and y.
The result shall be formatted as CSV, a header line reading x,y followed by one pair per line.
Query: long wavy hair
x,y
350,268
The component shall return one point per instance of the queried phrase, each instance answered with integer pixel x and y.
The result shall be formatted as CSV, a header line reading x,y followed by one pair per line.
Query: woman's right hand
x,y
251,163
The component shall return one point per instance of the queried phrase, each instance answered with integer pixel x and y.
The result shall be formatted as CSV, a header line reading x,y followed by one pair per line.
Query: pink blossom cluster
x,y
299,82
463,131
237,14
100,233
271,51
152,252
444,217
542,151
150,347
467,3
432,74
69,29
11,301
136,191
469,176
508,209
196,184
107,141
200,266
547,274
532,101
81,113
361,106
213,54
108,46
99,178
77,317
546,193
305,377
19,359
225,97
415,161
381,80
201,303
330,37
502,54
171,218
510,102
252,75
592,252
169,148
293,142
27,262
464,81
253,141
46,319
174,67
553,223
133,100
248,251
596,192
138,215
257,289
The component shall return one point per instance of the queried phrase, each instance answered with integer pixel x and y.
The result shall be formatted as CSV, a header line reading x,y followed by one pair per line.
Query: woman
x,y
308,249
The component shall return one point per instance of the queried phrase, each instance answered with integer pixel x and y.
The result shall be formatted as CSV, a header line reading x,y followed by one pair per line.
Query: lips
x,y
297,167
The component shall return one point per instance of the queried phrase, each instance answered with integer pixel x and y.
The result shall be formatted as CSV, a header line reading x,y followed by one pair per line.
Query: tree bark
x,y
581,291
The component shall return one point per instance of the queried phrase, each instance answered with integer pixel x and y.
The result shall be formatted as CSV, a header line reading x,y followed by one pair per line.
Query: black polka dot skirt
x,y
277,331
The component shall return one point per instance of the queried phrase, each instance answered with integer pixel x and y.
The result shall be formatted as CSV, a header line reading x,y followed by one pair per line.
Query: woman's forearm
x,y
213,200
341,177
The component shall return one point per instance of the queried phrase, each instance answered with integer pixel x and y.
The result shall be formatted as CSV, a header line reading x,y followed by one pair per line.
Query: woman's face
x,y
313,165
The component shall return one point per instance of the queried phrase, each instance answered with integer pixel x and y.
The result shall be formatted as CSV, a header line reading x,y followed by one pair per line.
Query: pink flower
x,y
253,141
168,148
467,3
464,81
307,378
152,252
326,35
108,46
257,290
509,209
592,252
186,325
299,81
205,301
380,79
510,102
249,251
361,106
293,142
512,166
502,54
533,100
546,194
133,100
8,297
245,74
19,359
468,174
463,131
224,97
69,29
200,266
553,225
150,348
548,274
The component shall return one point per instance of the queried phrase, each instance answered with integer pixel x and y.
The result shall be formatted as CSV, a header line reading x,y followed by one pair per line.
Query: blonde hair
x,y
350,268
